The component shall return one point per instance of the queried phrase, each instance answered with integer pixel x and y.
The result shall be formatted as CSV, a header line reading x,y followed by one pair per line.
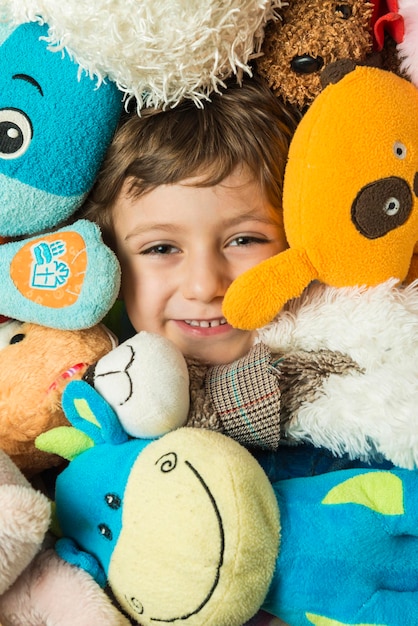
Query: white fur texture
x,y
159,51
408,48
24,520
368,414
52,592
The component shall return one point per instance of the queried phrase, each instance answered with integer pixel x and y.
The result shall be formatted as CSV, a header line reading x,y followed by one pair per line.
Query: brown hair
x,y
245,124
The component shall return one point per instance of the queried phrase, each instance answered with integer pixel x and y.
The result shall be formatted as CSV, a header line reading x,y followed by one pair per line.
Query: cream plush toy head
x,y
158,52
146,382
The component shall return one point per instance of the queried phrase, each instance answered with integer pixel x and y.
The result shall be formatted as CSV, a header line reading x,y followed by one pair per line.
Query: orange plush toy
x,y
350,196
36,363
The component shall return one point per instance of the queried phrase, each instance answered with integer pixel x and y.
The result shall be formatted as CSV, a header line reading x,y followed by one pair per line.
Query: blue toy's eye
x,y
113,501
105,531
15,133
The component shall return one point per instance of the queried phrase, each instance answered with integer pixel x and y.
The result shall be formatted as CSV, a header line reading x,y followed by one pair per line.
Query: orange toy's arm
x,y
257,296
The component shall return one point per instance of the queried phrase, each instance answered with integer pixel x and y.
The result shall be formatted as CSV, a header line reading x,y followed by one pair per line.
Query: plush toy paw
x,y
67,279
255,297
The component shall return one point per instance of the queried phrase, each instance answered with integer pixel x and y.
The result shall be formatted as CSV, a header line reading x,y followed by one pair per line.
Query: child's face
x,y
180,247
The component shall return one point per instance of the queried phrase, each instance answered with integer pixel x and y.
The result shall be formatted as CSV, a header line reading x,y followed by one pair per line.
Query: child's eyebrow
x,y
147,228
251,216
230,221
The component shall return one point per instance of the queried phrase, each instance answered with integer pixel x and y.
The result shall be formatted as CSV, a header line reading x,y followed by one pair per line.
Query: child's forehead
x,y
236,198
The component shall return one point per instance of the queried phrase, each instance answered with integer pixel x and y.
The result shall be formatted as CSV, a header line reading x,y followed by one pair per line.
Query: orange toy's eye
x,y
399,150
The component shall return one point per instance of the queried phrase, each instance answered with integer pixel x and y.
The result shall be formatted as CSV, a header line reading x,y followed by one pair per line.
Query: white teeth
x,y
206,323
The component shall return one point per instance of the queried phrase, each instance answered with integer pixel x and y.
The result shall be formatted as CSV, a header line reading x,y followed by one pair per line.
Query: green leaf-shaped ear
x,y
66,441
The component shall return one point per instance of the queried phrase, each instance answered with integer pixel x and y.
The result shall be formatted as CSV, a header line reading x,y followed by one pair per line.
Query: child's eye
x,y
161,248
246,240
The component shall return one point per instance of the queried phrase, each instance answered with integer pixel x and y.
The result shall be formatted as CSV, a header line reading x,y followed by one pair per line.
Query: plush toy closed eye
x,y
187,529
350,197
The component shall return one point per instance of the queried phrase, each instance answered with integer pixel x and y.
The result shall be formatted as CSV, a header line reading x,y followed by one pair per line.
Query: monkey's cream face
x,y
198,514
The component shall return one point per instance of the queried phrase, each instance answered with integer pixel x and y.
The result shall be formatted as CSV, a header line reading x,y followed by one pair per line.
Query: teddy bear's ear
x,y
335,71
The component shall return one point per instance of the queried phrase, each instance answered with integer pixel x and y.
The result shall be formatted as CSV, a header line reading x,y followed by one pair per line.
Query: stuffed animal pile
x,y
145,379
336,359
190,530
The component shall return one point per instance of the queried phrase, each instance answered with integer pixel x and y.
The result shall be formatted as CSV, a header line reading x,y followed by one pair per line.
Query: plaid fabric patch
x,y
246,395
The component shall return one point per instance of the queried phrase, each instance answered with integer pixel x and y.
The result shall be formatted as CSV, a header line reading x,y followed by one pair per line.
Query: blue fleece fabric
x,y
348,549
55,126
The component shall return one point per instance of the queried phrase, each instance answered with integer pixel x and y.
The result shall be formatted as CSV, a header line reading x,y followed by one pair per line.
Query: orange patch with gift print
x,y
50,270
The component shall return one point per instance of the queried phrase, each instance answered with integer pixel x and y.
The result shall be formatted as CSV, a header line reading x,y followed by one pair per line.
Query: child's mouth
x,y
206,323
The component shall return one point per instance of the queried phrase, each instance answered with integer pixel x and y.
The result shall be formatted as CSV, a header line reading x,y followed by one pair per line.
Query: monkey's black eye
x,y
17,338
113,501
105,531
345,10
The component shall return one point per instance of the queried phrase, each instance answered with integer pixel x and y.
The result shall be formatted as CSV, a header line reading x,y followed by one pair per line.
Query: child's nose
x,y
206,278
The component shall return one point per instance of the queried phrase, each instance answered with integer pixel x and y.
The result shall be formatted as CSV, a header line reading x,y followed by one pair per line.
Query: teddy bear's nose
x,y
305,64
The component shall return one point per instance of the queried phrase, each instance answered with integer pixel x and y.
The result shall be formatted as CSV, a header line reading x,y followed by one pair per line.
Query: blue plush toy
x,y
64,69
187,529
56,123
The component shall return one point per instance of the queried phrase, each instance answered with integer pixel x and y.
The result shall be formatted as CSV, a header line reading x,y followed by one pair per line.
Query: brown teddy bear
x,y
36,363
308,36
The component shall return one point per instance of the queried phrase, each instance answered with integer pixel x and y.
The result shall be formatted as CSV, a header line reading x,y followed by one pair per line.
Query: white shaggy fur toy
x,y
158,51
371,410
408,48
